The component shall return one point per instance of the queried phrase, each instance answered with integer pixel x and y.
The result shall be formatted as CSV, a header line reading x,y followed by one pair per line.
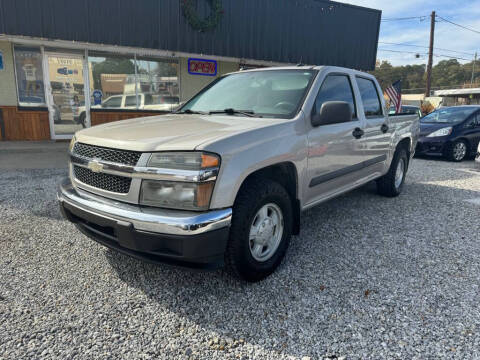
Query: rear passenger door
x,y
335,156
377,138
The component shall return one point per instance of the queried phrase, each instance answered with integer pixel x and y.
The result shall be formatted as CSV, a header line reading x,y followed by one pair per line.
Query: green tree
x,y
111,65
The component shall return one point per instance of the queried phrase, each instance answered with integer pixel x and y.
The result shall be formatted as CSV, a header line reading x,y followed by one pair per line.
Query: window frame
x,y
355,115
378,97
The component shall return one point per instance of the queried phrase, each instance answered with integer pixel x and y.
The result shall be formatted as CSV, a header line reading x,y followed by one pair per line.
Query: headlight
x,y
184,195
183,160
441,132
176,195
72,144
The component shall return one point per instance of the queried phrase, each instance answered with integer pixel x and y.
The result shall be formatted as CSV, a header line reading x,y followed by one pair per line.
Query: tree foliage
x,y
447,73
111,65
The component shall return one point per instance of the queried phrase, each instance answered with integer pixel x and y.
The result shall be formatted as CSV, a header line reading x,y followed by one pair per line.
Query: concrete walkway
x,y
33,154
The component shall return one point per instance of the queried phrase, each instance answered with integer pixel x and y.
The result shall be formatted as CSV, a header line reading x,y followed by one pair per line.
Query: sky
x,y
417,31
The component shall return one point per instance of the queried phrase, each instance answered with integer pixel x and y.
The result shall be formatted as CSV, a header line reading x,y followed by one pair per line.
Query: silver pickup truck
x,y
224,179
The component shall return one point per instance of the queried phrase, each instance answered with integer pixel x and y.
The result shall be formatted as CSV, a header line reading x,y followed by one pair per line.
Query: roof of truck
x,y
305,67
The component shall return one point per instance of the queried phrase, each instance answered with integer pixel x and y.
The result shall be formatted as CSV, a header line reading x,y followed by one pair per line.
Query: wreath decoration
x,y
196,22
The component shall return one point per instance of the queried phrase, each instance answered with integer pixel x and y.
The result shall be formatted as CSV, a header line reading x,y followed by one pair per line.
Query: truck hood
x,y
168,132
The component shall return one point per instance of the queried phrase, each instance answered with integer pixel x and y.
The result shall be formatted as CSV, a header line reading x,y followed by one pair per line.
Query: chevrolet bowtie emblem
x,y
95,166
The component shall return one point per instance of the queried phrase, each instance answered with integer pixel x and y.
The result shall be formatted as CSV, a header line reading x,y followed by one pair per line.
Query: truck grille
x,y
113,183
125,157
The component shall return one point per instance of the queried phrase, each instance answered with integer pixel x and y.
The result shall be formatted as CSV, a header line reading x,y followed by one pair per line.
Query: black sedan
x,y
453,132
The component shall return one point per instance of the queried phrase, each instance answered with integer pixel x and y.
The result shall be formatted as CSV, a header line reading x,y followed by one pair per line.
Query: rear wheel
x,y
457,151
261,230
391,184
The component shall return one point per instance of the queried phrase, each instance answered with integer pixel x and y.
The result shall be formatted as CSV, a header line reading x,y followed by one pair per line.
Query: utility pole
x,y
430,55
473,68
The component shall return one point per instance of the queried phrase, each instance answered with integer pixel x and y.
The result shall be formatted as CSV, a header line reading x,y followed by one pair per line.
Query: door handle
x,y
384,128
358,133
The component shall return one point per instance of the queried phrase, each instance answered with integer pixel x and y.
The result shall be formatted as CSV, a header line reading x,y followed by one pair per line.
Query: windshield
x,y
268,93
453,115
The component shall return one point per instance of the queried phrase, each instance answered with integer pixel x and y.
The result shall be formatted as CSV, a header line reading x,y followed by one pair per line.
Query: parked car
x,y
225,178
147,102
407,109
452,132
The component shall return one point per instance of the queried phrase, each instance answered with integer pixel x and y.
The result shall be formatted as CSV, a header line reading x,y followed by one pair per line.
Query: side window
x,y
335,88
371,101
130,101
115,101
477,119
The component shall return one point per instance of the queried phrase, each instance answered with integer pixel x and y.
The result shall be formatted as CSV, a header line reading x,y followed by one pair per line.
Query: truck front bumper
x,y
184,238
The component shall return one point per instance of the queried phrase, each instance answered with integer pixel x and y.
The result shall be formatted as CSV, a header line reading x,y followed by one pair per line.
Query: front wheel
x,y
261,230
391,184
457,151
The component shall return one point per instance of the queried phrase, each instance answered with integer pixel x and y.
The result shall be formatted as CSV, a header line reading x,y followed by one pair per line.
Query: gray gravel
x,y
369,277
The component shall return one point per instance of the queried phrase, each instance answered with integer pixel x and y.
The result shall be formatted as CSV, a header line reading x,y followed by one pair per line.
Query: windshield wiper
x,y
231,111
188,111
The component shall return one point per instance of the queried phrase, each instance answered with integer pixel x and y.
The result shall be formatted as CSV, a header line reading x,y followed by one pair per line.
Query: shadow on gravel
x,y
336,275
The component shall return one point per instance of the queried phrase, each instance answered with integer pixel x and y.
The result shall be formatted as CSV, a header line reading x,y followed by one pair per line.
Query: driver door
x,y
335,155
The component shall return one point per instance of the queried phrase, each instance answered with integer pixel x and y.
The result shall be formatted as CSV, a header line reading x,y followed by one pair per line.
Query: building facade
x,y
86,62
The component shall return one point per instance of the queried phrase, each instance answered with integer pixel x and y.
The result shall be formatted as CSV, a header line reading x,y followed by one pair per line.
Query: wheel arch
x,y
284,173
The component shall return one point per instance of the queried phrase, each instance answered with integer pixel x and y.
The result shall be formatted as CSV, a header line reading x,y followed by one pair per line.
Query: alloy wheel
x,y
266,232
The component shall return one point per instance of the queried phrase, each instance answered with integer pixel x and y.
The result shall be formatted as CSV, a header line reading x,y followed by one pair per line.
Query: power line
x,y
421,18
417,53
451,57
462,26
425,47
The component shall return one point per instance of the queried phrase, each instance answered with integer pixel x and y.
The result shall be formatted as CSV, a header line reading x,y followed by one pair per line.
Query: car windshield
x,y
267,93
453,115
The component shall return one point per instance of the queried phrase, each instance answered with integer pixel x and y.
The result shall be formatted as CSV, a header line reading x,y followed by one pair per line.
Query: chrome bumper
x,y
163,221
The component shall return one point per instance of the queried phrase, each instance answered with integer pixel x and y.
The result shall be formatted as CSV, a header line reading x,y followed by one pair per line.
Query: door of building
x,y
66,79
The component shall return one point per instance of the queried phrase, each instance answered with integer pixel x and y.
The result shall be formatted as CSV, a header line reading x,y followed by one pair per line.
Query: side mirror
x,y
332,112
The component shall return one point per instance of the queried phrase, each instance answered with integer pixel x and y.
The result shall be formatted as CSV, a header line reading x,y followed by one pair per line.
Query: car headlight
x,y
184,195
72,144
441,132
183,160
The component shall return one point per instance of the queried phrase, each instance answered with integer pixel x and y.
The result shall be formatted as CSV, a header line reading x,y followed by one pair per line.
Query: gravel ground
x,y
369,277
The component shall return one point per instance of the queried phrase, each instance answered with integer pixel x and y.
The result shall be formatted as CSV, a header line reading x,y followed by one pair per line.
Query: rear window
x,y
371,101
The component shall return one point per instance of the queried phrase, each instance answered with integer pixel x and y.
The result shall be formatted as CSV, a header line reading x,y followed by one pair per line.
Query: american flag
x,y
394,92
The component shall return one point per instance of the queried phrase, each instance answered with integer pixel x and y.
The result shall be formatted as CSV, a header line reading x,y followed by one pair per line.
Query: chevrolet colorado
x,y
225,178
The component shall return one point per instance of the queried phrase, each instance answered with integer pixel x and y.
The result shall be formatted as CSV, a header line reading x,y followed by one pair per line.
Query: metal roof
x,y
454,92
286,31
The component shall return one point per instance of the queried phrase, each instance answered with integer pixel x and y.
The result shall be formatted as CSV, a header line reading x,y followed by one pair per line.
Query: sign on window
x,y
202,67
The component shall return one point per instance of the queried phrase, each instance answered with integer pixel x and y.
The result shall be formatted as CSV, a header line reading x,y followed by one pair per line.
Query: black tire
x,y
239,260
387,184
451,152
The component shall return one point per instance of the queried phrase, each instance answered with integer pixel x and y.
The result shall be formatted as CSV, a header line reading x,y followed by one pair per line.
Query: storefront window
x,y
113,83
157,84
111,79
28,68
